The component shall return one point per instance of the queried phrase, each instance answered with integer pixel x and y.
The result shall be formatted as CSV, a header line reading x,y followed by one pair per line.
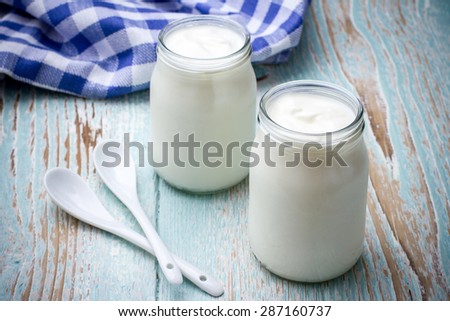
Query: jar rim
x,y
312,87
204,64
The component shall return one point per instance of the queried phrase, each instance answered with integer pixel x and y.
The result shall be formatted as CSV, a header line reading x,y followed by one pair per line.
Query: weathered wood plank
x,y
393,54
46,254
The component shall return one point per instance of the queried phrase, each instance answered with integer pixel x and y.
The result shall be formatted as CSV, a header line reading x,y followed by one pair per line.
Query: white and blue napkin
x,y
108,48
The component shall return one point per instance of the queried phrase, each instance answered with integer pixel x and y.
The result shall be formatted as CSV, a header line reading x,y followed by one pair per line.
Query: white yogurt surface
x,y
204,41
310,113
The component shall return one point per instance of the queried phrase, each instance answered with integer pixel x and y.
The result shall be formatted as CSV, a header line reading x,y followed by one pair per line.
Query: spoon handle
x,y
166,261
204,281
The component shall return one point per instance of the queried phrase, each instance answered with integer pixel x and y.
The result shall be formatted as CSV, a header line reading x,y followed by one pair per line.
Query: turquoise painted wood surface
x,y
395,55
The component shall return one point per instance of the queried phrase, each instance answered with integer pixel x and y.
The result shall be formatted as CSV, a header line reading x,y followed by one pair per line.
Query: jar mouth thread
x,y
283,134
204,64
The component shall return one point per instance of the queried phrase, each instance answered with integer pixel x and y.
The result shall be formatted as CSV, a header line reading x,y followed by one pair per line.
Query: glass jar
x,y
208,102
307,217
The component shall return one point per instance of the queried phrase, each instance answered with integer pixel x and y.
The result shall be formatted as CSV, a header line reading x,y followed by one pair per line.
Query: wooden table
x,y
395,56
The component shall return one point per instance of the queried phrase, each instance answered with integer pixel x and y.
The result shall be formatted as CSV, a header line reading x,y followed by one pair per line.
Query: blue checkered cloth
x,y
108,48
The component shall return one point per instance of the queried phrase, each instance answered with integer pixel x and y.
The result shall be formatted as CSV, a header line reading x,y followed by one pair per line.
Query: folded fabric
x,y
108,48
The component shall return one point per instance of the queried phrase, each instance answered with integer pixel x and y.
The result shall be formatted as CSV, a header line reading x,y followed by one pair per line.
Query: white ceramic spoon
x,y
70,192
121,180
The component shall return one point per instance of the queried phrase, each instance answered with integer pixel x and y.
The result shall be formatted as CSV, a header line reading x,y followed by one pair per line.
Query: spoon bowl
x,y
121,180
74,195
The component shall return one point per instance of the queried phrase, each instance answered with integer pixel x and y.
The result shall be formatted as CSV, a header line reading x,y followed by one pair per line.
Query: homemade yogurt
x,y
307,218
203,85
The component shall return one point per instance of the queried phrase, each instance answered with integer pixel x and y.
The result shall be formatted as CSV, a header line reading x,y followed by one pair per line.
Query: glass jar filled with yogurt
x,y
202,103
308,190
